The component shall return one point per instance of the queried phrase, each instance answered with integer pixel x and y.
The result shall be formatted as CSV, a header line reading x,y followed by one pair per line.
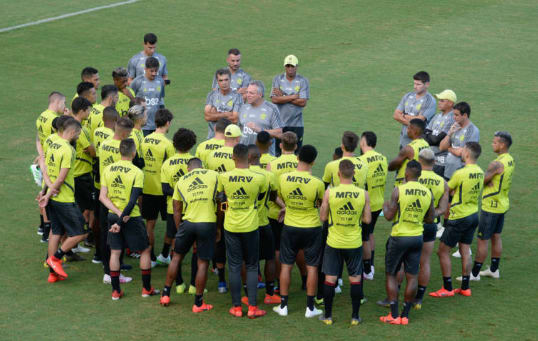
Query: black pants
x,y
299,131
103,238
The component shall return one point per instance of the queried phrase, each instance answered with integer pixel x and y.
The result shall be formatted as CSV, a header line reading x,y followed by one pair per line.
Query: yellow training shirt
x,y
414,200
376,178
346,203
172,170
301,192
417,145
197,190
285,163
495,196
467,183
156,148
206,147
120,178
60,154
330,175
220,160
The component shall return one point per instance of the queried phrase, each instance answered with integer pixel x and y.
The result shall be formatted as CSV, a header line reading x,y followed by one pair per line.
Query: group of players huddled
x,y
248,194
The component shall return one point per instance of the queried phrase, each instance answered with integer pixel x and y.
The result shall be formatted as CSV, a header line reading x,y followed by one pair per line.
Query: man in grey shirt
x,y
150,86
259,115
461,132
290,93
416,104
240,79
222,102
438,128
137,63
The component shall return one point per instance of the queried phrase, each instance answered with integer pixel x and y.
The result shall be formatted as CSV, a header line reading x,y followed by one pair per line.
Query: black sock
x,y
310,302
406,308
194,268
245,289
41,221
198,300
367,266
153,258
69,253
166,250
166,291
361,289
465,282
115,280
394,309
303,284
476,268
59,254
146,278
221,273
372,257
447,283
420,292
283,301
46,230
328,296
494,264
179,277
355,298
270,288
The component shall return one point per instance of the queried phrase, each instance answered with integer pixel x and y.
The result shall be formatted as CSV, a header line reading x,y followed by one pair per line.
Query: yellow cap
x,y
291,60
232,131
448,94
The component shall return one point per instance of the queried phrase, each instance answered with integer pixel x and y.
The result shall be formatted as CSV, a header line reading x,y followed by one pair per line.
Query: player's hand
x,y
67,111
115,228
281,214
254,127
242,91
277,92
43,200
126,218
455,127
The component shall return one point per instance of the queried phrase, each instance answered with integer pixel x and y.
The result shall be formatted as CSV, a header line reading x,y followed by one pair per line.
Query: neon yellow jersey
x,y
197,190
330,175
285,163
83,162
120,178
50,140
122,106
220,160
138,137
495,196
100,134
417,145
172,170
414,201
60,154
377,177
44,124
265,159
109,152
434,183
346,203
242,188
206,147
76,95
95,119
156,148
467,183
301,193
263,204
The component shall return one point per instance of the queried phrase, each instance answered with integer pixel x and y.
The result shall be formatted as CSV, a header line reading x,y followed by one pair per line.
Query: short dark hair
x,y
163,116
505,137
370,138
253,152
415,168
194,163
87,72
422,76
350,140
221,72
475,149
184,139
289,141
58,122
150,38
346,168
241,152
110,114
125,123
418,123
308,153
235,52
263,138
152,63
108,90
221,124
71,123
463,108
127,147
80,104
82,87
119,72
338,152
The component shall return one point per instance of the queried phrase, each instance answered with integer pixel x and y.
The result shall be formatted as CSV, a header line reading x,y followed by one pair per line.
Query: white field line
x,y
63,16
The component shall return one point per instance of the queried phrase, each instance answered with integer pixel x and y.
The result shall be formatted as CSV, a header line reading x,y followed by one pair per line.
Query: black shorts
x,y
460,230
132,235
295,239
333,260
152,205
171,229
490,223
276,227
368,229
202,233
84,195
429,233
65,217
267,243
220,250
242,247
404,250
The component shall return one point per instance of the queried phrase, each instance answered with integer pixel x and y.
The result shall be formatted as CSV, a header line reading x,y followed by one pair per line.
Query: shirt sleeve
x,y
473,135
238,100
67,158
246,80
177,195
449,122
305,89
139,180
274,84
135,85
220,186
84,139
428,110
165,66
327,174
320,191
209,98
276,121
162,91
131,68
454,181
401,105
164,174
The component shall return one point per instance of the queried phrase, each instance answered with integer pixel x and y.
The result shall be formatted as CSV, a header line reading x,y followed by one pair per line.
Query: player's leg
x,y
171,230
220,260
204,251
251,252
267,253
288,255
332,261
170,277
496,247
300,261
393,262
449,239
412,258
234,255
312,239
468,227
354,262
428,239
115,269
276,228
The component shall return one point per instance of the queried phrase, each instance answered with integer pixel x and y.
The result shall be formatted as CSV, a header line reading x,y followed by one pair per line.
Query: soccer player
x,y
137,64
338,153
206,147
172,170
240,188
125,94
290,92
109,97
87,90
439,126
121,185
264,142
410,205
137,114
195,208
91,75
344,207
150,86
439,189
375,180
410,150
415,104
465,185
495,203
239,78
259,115
221,103
156,148
59,198
302,193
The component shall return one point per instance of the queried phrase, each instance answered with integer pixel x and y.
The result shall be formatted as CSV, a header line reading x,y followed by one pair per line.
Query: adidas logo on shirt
x,y
108,160
117,182
347,209
240,194
416,206
178,175
476,188
149,156
296,194
221,169
196,184
379,171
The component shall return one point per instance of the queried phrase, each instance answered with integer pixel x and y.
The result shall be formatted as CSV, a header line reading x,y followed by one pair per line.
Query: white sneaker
x,y
153,264
369,276
471,277
340,282
337,290
312,313
440,230
106,279
489,273
458,255
373,271
281,311
80,249
123,279
162,260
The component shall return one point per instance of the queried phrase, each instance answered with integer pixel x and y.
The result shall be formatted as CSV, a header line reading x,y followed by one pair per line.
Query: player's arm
x,y
39,147
282,99
494,168
430,215
324,210
433,140
90,150
212,115
442,206
104,199
300,102
55,187
445,143
133,198
390,207
404,154
178,210
400,117
366,212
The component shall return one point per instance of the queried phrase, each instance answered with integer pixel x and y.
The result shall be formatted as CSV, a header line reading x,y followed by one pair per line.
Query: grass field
x,y
359,57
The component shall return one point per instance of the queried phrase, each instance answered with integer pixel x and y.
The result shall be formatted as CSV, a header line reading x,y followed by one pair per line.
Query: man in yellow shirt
x,y
410,205
109,97
90,75
263,142
126,95
214,143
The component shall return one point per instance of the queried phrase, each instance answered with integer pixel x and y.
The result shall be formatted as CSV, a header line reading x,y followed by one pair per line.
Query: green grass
x,y
359,57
